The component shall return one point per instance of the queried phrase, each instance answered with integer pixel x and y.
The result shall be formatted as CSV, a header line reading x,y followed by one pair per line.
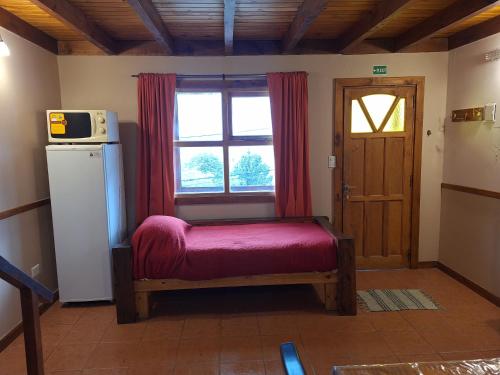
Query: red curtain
x,y
288,94
155,186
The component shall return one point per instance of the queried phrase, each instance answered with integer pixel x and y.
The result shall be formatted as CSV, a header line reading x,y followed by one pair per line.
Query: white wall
x,y
97,82
29,84
470,236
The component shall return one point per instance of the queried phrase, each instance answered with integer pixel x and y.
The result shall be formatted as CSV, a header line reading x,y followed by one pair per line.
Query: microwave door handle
x,y
94,127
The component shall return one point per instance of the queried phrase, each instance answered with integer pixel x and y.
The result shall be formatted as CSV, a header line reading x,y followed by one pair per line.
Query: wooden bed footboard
x,y
338,287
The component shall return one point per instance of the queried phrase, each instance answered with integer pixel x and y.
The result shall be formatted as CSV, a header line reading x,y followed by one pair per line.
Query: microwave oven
x,y
81,126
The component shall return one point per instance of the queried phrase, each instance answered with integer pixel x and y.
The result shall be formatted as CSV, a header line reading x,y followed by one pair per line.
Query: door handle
x,y
346,190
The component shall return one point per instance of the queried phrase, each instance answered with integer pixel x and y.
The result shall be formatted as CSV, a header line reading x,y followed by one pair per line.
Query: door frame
x,y
338,149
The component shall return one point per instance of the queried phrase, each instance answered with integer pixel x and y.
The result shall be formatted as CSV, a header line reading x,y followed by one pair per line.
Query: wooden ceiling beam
x,y
229,11
147,12
453,14
74,17
16,25
361,30
476,32
306,15
187,47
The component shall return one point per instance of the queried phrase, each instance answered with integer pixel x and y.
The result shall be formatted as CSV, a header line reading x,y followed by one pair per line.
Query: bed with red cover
x,y
166,253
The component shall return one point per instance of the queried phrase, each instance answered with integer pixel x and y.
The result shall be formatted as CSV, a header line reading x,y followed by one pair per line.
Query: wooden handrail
x,y
19,279
30,289
471,190
23,208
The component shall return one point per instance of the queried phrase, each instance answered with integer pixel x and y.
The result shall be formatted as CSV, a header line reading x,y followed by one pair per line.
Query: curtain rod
x,y
222,76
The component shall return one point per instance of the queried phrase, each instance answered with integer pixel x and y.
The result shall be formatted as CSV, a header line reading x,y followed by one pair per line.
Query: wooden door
x,y
377,165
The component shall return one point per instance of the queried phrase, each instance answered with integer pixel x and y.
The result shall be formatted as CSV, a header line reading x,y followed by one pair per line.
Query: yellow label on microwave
x,y
57,128
56,117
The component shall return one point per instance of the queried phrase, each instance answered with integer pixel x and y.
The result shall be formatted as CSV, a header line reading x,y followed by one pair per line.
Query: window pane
x,y
396,122
377,106
199,116
201,170
359,123
251,115
251,168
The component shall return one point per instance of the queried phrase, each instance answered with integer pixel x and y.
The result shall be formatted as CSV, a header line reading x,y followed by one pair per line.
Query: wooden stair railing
x,y
30,290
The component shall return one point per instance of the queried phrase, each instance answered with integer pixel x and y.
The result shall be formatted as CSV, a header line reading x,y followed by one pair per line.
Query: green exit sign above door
x,y
379,70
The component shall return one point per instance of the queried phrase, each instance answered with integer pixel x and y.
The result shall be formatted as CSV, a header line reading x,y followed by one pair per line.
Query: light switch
x,y
332,161
490,112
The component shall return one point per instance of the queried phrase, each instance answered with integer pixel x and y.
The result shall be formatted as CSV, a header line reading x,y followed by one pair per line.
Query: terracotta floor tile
x,y
237,349
407,342
447,339
406,358
69,357
364,344
388,321
202,327
274,367
53,334
111,355
151,369
196,369
185,339
86,331
482,336
245,325
13,361
202,349
243,368
322,323
460,356
124,332
271,345
367,359
324,352
425,319
59,314
105,371
166,328
276,324
155,352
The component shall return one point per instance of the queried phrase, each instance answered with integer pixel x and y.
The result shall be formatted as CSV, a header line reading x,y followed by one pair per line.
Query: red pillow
x,y
162,239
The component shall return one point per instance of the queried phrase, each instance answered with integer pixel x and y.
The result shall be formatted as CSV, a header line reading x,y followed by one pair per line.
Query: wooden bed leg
x,y
330,297
143,304
346,277
123,284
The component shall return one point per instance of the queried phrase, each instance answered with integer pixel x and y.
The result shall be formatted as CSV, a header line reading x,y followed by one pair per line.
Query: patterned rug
x,y
395,300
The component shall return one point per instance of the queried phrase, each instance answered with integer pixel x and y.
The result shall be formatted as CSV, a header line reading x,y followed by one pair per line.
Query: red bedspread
x,y
209,252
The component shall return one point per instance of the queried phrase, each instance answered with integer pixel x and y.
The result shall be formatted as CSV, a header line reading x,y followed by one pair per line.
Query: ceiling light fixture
x,y
4,49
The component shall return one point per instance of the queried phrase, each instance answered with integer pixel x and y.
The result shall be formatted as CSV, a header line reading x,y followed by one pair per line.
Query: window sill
x,y
192,199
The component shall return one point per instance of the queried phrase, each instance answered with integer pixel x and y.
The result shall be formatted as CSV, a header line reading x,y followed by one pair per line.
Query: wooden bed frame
x,y
337,288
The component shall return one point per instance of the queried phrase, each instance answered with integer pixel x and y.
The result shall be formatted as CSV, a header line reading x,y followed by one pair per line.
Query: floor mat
x,y
395,300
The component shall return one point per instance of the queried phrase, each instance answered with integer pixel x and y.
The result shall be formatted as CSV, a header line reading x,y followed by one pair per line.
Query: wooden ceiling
x,y
249,27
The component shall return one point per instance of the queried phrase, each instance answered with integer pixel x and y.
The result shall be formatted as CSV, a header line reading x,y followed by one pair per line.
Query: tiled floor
x,y
238,331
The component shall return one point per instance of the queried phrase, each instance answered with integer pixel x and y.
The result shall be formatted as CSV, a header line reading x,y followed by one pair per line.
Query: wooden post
x,y
330,296
32,333
123,285
346,272
143,304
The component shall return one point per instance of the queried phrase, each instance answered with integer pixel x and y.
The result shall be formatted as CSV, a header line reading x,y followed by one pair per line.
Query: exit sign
x,y
379,70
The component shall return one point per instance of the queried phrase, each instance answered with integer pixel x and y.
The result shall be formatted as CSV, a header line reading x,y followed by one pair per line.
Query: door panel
x,y
374,228
374,166
377,170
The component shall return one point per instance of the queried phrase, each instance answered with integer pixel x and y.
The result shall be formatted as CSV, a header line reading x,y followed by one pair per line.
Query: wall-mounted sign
x,y
379,70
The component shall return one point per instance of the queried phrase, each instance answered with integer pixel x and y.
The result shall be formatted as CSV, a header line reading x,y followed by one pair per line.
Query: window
x,y
223,144
377,113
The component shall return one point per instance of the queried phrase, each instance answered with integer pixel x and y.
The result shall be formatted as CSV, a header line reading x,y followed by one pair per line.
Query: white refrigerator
x,y
88,214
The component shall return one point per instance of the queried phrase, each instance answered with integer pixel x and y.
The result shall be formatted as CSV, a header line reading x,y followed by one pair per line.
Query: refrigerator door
x,y
79,210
